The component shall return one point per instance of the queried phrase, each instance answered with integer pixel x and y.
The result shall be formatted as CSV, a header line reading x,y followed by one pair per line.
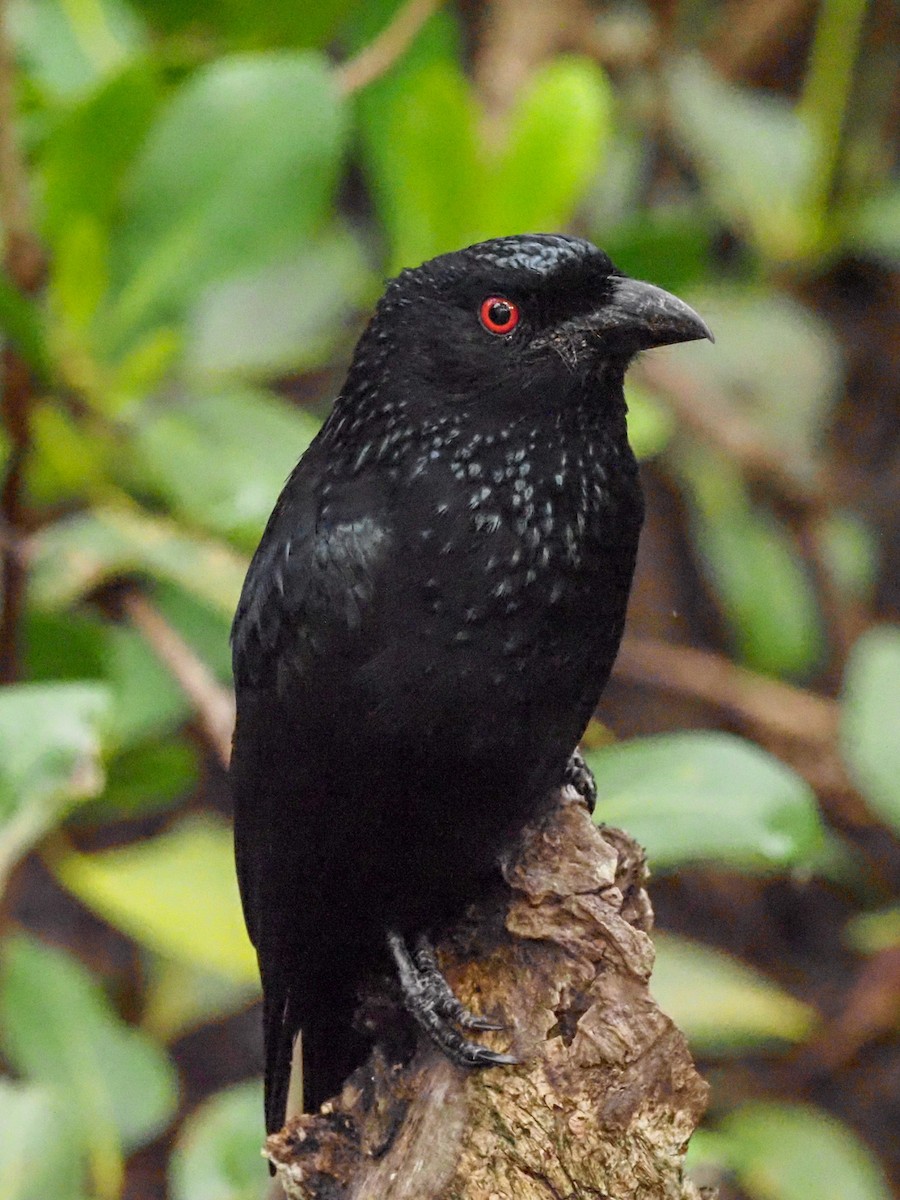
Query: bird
x,y
426,627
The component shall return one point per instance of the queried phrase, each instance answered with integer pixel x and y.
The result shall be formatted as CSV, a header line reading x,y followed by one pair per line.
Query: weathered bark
x,y
606,1095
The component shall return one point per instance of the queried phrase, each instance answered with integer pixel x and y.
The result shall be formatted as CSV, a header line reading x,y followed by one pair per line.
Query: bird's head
x,y
517,317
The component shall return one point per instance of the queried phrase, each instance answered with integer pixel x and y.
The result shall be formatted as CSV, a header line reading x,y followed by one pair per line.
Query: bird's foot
x,y
443,999
428,999
580,777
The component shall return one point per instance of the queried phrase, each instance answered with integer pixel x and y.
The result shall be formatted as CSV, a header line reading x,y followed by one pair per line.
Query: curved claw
x,y
429,1000
445,1002
479,1056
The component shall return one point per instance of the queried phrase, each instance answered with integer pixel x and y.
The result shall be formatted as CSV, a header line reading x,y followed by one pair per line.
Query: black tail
x,y
279,1031
332,1048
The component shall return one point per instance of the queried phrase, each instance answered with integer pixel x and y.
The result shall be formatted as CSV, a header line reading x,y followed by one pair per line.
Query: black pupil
x,y
500,312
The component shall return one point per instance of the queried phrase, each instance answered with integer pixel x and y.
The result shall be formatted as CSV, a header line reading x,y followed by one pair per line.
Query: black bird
x,y
427,625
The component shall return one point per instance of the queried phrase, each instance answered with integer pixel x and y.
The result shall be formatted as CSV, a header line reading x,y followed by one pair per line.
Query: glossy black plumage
x,y
430,618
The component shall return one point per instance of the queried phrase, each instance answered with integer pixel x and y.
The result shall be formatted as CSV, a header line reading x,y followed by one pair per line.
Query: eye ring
x,y
499,315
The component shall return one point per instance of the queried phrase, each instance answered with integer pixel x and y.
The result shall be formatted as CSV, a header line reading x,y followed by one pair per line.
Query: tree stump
x,y
605,1097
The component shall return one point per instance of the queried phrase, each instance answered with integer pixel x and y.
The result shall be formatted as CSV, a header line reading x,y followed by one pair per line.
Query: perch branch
x,y
605,1096
213,703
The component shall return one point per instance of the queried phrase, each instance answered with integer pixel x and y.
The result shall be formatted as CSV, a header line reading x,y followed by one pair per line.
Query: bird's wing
x,y
307,609
310,582
308,603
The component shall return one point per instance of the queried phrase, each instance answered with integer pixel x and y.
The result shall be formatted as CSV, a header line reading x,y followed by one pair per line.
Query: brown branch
x,y
22,254
518,36
755,31
764,704
17,395
213,703
605,1095
870,1010
390,45
23,262
794,724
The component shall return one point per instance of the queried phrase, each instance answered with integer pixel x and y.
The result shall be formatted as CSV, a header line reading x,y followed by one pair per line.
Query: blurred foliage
x,y
216,191
695,797
721,1005
792,1151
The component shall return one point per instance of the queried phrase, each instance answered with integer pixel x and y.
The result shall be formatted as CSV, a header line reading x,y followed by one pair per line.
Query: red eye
x,y
499,315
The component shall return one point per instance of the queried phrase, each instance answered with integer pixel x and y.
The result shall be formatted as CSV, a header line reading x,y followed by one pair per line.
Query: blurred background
x,y
199,202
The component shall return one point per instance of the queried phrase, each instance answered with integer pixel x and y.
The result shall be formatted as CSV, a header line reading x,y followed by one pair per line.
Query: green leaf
x,y
290,316
755,155
69,460
144,779
217,1156
64,648
721,1005
22,324
79,279
438,41
794,1152
851,552
49,758
238,170
79,553
764,591
141,371
220,460
776,366
67,48
695,797
286,23
34,1165
559,127
651,425
872,932
146,889
90,147
180,997
431,203
278,23
672,246
147,703
875,228
870,720
59,1029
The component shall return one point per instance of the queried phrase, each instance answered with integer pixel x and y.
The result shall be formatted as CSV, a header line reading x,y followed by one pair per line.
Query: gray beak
x,y
639,315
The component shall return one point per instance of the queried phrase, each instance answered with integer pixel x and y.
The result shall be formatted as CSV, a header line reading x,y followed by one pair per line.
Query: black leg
x,y
580,776
445,1003
433,1006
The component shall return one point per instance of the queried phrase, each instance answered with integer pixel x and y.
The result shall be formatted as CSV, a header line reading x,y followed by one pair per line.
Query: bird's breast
x,y
521,556
519,529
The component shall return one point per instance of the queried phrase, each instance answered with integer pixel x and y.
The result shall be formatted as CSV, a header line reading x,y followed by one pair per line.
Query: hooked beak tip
x,y
645,316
